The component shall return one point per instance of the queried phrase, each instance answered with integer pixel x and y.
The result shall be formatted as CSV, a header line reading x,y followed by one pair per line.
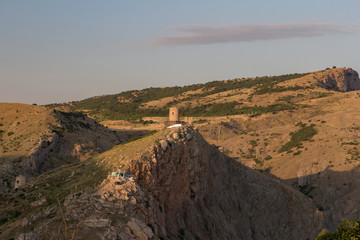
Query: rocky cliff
x,y
211,196
339,79
184,188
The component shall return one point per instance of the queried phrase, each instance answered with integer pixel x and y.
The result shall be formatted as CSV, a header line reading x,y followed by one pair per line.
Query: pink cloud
x,y
195,35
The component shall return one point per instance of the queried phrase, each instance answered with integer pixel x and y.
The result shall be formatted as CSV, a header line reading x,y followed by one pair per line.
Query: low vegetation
x,y
305,133
127,105
53,187
139,137
233,108
264,90
345,230
200,121
306,190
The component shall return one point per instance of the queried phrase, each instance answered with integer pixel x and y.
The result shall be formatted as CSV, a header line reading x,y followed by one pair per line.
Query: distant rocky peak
x,y
339,79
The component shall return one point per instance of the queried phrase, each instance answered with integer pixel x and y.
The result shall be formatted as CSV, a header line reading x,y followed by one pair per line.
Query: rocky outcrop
x,y
339,79
119,209
204,194
75,137
41,153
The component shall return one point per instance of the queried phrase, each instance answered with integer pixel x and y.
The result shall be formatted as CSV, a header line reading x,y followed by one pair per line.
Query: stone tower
x,y
173,114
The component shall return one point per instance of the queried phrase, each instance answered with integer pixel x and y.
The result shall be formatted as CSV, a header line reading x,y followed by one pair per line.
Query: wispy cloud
x,y
247,33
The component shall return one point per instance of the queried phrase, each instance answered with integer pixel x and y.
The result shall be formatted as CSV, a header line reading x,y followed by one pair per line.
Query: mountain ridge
x,y
218,98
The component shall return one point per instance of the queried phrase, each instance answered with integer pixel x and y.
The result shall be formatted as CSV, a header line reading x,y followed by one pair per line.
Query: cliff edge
x,y
339,79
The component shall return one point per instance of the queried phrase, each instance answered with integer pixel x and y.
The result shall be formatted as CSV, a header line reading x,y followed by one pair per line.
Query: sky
x,y
68,50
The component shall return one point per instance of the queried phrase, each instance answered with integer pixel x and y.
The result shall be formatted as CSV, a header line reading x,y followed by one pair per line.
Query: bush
x,y
263,90
268,157
305,133
345,230
68,115
323,94
231,108
200,121
306,190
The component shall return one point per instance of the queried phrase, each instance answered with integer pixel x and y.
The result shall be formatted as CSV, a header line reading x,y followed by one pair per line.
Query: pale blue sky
x,y
59,51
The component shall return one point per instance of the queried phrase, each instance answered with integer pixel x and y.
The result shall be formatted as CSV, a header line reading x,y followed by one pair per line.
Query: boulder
x,y
139,229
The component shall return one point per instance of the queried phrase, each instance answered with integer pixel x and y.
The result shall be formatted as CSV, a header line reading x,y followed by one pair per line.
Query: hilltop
x,y
35,139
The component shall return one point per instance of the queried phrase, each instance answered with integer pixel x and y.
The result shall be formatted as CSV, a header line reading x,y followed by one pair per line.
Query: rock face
x,y
204,194
339,79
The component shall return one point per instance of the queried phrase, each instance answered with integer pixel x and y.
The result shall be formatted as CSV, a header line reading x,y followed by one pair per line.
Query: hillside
x,y
183,188
263,158
303,130
314,149
34,139
194,100
251,96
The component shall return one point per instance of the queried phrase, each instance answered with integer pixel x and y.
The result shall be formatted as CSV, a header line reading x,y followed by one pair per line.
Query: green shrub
x,y
345,230
264,89
200,121
350,143
306,189
305,133
323,94
232,108
253,143
297,153
68,115
268,157
143,136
